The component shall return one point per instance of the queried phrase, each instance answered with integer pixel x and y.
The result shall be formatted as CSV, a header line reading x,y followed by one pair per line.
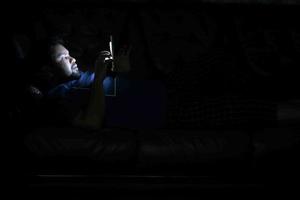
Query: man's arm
x,y
92,117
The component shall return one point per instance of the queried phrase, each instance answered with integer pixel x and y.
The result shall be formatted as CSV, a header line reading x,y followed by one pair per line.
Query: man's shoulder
x,y
86,79
59,91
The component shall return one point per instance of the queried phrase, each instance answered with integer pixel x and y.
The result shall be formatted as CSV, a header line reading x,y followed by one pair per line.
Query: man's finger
x,y
105,53
108,58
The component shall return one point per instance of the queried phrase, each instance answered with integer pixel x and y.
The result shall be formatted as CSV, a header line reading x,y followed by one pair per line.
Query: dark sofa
x,y
155,162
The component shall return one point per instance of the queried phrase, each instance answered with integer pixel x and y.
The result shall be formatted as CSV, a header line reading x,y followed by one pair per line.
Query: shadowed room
x,y
154,100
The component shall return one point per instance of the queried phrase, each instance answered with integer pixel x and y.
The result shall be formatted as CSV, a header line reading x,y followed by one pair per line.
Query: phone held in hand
x,y
110,82
111,70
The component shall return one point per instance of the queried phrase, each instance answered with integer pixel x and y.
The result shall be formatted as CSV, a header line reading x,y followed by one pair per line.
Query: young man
x,y
73,97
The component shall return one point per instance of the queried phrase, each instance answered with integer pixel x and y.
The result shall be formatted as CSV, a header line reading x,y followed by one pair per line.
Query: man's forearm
x,y
96,107
93,115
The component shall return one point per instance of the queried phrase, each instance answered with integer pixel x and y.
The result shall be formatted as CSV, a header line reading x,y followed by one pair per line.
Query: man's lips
x,y
74,67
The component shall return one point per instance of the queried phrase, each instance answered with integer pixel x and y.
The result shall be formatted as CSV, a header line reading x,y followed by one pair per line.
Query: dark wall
x,y
240,47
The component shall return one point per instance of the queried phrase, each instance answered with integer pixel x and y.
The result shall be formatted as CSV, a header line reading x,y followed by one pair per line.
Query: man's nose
x,y
72,60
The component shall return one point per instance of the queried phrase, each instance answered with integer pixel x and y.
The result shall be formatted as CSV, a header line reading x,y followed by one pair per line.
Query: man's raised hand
x,y
101,63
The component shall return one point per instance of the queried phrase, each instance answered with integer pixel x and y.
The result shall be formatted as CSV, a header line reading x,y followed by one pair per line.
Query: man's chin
x,y
75,75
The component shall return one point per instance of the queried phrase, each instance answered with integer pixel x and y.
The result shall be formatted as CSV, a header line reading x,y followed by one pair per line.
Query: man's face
x,y
66,65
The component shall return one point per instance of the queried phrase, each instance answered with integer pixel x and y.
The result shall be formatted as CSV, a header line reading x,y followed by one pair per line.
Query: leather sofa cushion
x,y
185,148
276,151
142,151
272,140
73,148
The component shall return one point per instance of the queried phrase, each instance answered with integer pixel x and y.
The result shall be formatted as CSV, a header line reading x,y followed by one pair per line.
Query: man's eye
x,y
62,57
59,58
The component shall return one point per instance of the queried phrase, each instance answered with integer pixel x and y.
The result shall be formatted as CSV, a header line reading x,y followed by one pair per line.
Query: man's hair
x,y
41,52
38,58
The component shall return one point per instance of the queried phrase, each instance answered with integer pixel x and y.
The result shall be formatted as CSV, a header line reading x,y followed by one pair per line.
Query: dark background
x,y
237,46
211,48
248,49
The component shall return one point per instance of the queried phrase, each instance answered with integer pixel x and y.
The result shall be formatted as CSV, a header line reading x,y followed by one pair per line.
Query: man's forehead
x,y
59,49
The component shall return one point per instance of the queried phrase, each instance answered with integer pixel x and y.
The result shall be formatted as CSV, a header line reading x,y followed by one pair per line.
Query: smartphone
x,y
111,49
110,82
